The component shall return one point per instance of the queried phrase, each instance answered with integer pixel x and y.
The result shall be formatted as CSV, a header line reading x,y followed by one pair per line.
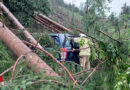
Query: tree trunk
x,y
61,27
18,24
19,48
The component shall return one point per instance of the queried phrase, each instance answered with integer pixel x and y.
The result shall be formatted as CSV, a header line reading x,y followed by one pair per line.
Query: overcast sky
x,y
115,5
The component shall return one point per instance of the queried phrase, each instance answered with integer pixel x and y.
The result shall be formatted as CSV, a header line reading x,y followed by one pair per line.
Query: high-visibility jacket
x,y
83,43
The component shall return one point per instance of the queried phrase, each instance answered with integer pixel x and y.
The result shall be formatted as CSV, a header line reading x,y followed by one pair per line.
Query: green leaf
x,y
29,83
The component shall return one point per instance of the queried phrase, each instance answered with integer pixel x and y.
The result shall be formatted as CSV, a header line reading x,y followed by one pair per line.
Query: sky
x,y
115,4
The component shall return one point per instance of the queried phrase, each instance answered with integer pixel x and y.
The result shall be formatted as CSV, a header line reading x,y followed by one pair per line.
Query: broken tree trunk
x,y
19,48
54,23
18,24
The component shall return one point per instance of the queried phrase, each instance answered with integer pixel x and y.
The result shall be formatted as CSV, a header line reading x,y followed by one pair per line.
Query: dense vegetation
x,y
24,9
110,52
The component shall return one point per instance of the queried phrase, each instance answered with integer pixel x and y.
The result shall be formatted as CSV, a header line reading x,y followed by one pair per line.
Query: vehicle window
x,y
67,44
55,40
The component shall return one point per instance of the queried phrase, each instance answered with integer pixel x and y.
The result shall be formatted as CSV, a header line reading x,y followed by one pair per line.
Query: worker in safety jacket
x,y
84,54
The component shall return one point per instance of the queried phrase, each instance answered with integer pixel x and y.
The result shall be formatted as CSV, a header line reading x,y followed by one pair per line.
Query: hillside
x,y
66,16
62,15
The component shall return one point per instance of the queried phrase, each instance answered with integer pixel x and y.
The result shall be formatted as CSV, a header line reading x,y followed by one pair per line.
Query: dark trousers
x,y
76,59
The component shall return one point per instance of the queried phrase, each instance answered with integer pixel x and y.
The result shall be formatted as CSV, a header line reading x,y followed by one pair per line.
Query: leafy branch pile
x,y
110,59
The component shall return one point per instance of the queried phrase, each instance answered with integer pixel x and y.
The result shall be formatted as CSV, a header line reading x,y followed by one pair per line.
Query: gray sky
x,y
115,5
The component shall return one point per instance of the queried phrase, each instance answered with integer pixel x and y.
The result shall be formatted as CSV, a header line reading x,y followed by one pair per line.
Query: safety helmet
x,y
82,35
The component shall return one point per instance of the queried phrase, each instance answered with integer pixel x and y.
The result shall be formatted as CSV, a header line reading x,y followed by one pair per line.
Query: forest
x,y
26,64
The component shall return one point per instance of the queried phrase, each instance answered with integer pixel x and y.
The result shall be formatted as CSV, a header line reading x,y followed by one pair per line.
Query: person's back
x,y
84,51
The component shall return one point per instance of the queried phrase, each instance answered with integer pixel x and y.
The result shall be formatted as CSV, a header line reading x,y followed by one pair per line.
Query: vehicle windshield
x,y
61,40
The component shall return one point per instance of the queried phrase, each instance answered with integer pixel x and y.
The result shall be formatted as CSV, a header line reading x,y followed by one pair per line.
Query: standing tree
x,y
125,9
95,11
125,13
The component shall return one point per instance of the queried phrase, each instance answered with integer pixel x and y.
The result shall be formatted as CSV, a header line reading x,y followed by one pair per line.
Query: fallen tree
x,y
18,24
51,23
69,74
19,48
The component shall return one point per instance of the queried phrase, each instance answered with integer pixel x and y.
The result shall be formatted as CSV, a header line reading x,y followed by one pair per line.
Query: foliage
x,y
24,9
113,74
123,80
125,9
66,14
6,57
125,13
68,6
46,40
116,53
95,12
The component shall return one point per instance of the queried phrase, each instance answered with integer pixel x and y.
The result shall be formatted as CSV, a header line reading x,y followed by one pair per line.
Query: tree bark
x,y
54,23
18,24
19,48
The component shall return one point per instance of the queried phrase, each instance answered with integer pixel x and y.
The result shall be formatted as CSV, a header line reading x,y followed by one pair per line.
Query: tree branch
x,y
14,66
7,70
60,83
70,75
86,34
108,36
39,81
92,72
78,73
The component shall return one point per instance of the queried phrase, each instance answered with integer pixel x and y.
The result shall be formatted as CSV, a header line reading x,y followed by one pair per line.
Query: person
x,y
75,45
84,54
